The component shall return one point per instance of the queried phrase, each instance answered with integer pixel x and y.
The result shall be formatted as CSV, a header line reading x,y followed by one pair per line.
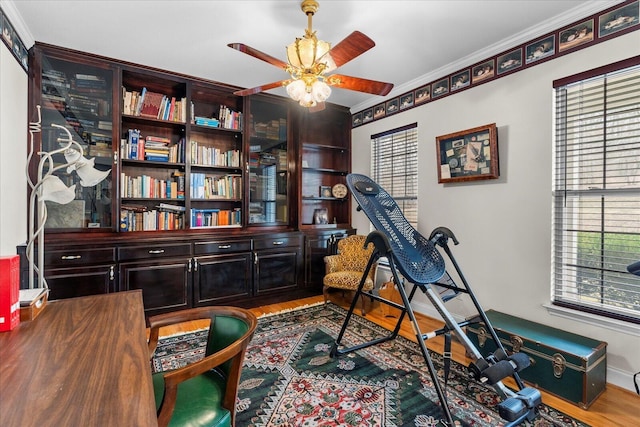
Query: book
x,y
140,101
151,105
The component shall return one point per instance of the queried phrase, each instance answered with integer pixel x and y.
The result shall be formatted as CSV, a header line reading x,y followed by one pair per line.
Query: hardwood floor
x,y
616,407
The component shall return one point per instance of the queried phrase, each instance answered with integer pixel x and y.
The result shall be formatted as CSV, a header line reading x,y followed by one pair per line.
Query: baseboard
x,y
620,378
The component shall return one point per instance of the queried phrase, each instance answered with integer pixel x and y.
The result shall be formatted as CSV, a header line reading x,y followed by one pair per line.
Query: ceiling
x,y
416,41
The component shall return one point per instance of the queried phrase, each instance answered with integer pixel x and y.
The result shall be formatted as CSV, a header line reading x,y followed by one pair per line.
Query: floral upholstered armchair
x,y
345,269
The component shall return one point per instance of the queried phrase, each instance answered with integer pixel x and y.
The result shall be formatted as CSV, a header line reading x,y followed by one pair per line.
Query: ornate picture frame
x,y
468,155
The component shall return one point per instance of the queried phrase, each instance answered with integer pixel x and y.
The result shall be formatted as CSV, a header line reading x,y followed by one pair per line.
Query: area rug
x,y
289,380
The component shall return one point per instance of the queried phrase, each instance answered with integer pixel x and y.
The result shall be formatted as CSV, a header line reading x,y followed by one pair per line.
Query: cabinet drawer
x,y
154,251
222,247
276,242
75,257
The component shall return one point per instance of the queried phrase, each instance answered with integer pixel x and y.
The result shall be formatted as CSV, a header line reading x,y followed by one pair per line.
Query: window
x,y
394,166
596,191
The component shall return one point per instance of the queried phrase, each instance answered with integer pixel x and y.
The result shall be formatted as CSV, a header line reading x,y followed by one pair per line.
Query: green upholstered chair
x,y
344,270
204,393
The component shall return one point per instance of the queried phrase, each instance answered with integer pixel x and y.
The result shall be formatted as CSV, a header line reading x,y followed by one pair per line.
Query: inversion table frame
x,y
417,260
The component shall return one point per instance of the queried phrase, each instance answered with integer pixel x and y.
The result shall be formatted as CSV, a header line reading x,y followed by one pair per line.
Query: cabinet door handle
x,y
255,258
156,251
278,243
195,265
70,257
224,246
189,267
111,273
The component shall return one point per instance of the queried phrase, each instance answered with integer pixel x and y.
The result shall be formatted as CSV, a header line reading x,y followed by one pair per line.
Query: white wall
x,y
504,225
13,152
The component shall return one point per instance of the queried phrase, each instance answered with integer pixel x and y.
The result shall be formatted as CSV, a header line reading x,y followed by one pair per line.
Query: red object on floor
x,y
9,292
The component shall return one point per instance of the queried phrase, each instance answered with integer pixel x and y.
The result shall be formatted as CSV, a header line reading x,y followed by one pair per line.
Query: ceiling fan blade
x,y
262,88
359,84
257,54
354,45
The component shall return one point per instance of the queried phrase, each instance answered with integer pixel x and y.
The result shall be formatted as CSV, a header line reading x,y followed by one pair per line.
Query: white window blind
x,y
596,191
394,166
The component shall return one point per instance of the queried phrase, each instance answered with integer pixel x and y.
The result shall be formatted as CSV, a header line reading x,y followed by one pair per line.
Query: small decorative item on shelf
x,y
320,216
325,191
339,191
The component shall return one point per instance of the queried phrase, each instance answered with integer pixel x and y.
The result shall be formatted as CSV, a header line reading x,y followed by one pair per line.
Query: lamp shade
x,y
90,176
304,51
296,89
320,91
54,190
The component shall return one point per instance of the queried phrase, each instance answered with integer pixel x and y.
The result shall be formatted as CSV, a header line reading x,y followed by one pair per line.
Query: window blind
x,y
596,193
394,166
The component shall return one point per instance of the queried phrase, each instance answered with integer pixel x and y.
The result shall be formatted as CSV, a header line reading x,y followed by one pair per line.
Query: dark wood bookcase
x,y
217,185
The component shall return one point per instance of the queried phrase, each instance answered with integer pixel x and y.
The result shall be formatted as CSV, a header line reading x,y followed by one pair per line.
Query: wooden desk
x,y
81,362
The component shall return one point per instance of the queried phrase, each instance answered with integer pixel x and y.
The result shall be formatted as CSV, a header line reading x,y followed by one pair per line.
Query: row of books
x,y
151,148
204,186
148,187
141,219
154,105
58,90
225,118
211,156
273,129
216,217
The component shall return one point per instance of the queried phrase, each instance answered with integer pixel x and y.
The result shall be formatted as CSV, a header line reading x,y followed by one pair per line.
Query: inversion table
x,y
417,260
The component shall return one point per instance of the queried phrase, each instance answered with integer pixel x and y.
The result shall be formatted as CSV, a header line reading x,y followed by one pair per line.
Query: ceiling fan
x,y
310,62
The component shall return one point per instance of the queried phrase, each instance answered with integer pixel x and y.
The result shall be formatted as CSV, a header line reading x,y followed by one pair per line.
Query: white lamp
x,y
49,187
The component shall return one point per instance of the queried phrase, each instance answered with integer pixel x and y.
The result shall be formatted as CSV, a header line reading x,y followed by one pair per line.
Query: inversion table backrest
x,y
415,256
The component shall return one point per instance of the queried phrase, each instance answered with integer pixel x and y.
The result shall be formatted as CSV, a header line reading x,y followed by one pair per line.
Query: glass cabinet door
x,y
268,163
79,98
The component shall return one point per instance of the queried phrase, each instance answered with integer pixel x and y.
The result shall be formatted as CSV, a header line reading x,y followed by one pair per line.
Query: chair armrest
x,y
332,263
156,322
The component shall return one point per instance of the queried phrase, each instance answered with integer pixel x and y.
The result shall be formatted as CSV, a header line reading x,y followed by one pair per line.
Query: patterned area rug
x,y
289,380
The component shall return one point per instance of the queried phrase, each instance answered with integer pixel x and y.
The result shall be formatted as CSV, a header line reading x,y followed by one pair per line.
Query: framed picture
x,y
540,49
367,115
483,71
325,191
392,106
509,61
356,120
468,155
422,95
440,88
618,19
406,101
576,35
320,216
379,111
460,80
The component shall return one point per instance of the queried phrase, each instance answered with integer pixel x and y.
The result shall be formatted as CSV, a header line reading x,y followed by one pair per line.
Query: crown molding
x,y
587,8
9,8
